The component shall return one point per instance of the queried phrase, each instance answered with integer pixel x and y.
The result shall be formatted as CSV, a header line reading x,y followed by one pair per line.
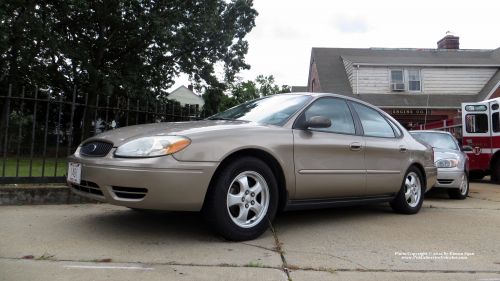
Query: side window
x,y
476,123
396,128
495,124
373,123
337,111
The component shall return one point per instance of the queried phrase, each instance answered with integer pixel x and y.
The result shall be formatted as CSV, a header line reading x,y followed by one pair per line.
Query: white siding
x,y
372,80
455,80
435,80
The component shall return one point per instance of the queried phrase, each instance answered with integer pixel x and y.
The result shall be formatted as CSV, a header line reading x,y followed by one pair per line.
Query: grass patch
x,y
24,167
44,257
252,265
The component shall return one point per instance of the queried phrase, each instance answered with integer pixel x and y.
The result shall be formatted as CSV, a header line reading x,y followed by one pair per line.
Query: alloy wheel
x,y
248,199
413,189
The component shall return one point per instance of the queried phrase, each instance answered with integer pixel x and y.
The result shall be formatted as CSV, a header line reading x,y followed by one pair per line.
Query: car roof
x,y
336,96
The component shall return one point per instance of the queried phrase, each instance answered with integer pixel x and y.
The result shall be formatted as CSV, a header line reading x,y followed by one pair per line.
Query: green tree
x,y
267,86
216,100
124,48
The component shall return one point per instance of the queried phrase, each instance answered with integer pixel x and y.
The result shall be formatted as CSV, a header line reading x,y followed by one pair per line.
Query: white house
x,y
186,96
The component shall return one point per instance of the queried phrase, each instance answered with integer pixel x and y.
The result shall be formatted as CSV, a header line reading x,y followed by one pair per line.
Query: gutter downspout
x,y
357,80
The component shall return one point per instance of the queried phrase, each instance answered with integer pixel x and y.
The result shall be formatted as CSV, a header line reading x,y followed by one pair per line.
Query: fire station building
x,y
413,85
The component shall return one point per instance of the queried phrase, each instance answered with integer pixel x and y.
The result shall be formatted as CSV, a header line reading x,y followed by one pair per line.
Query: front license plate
x,y
75,172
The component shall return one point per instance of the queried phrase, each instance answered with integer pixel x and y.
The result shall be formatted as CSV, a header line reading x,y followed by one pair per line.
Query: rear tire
x,y
242,199
461,192
411,195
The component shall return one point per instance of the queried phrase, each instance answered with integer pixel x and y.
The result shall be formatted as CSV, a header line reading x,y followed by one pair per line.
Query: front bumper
x,y
159,183
449,177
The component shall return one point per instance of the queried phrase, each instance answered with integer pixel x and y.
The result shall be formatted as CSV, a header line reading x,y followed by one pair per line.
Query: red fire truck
x,y
478,127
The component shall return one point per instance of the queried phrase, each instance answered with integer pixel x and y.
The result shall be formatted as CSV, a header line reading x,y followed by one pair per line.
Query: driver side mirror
x,y
467,148
319,122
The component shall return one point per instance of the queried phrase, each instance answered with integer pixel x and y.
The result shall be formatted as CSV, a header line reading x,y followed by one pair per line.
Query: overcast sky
x,y
285,31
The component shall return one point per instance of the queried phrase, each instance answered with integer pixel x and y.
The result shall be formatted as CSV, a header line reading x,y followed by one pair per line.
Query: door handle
x,y
356,146
403,149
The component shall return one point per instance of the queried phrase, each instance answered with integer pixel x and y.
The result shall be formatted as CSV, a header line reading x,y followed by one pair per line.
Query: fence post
x,y
117,114
33,131
95,118
84,113
46,131
6,131
128,109
106,122
20,132
137,114
70,137
58,133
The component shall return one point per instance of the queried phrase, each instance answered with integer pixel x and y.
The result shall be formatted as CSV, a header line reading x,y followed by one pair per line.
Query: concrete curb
x,y
40,195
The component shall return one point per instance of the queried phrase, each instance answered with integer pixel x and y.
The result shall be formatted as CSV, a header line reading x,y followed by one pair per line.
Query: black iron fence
x,y
39,133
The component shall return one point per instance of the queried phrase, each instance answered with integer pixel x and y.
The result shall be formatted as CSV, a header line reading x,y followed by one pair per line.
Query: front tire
x,y
411,195
242,199
461,192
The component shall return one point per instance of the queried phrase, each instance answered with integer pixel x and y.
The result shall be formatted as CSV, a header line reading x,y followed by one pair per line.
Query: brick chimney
x,y
449,42
190,87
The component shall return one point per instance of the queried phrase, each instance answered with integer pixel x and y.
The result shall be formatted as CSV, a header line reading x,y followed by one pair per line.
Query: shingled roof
x,y
333,77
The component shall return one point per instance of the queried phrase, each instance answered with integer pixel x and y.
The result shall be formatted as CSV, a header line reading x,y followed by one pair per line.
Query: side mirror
x,y
467,148
319,122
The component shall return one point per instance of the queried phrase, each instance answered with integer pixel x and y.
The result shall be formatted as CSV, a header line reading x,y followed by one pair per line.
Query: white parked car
x,y
451,160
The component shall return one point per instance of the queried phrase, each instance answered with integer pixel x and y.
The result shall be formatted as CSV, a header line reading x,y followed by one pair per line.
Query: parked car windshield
x,y
273,110
437,140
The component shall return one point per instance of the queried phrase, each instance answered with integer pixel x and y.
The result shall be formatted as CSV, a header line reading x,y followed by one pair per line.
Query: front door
x,y
329,162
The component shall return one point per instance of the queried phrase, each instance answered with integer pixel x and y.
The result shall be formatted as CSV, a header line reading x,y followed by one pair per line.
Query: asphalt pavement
x,y
447,240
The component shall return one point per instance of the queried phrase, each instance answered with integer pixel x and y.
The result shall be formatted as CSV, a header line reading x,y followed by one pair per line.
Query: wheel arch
x,y
267,158
422,171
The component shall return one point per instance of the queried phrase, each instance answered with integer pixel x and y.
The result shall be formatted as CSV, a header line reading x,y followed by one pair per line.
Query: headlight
x,y
447,163
152,146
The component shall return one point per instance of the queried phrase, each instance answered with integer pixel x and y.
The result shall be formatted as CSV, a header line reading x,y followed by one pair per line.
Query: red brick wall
x,y
313,78
496,93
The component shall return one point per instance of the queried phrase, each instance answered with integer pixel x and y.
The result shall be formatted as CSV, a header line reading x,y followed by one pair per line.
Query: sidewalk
x,y
39,195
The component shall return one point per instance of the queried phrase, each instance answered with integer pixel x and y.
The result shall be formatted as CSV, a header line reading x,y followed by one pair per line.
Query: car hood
x,y
125,134
441,153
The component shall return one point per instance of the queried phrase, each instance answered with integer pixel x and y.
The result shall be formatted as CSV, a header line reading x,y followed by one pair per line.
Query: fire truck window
x,y
495,122
477,123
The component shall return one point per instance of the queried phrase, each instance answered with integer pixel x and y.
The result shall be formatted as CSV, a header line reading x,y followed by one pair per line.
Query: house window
x,y
414,80
397,80
397,76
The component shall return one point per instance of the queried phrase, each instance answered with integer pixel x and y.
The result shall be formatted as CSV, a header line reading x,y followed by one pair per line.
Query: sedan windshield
x,y
273,110
437,140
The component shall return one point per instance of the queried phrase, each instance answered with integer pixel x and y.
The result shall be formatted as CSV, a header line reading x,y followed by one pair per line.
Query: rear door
x,y
386,152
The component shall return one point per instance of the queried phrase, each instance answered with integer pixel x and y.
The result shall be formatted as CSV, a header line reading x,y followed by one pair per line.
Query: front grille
x,y
96,148
129,192
89,187
445,181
